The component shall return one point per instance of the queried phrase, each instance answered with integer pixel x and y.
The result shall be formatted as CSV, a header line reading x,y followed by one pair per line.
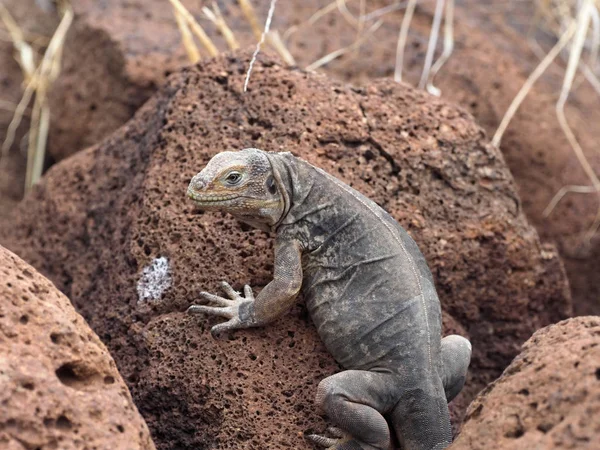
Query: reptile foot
x,y
226,307
339,440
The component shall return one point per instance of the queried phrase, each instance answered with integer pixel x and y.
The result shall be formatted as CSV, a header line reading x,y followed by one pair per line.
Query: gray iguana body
x,y
368,290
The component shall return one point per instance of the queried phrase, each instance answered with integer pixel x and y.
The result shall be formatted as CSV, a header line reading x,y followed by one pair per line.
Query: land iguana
x,y
367,288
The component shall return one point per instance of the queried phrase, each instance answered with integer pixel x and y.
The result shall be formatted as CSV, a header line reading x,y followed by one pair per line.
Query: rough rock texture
x,y
118,229
59,387
490,65
492,59
548,398
118,53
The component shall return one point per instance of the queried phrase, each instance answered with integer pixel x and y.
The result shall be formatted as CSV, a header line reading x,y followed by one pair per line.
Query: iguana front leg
x,y
274,300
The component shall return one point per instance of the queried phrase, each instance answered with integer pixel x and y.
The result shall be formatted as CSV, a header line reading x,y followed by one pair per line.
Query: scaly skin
x,y
368,290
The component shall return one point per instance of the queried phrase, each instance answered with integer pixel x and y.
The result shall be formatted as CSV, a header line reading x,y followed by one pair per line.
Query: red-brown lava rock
x,y
116,56
118,53
59,387
548,398
112,227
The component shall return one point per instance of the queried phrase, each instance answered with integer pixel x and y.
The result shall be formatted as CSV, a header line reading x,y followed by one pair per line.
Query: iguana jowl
x,y
368,290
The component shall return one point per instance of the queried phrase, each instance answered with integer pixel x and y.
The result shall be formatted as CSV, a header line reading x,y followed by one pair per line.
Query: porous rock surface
x,y
121,239
548,398
118,52
59,386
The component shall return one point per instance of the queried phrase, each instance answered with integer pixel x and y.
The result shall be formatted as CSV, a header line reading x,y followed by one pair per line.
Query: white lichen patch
x,y
155,280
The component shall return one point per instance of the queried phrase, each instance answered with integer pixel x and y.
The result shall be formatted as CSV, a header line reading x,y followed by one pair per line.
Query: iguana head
x,y
241,183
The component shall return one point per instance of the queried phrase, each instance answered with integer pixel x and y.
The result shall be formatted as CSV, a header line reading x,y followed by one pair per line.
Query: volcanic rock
x,y
117,55
59,386
548,398
112,227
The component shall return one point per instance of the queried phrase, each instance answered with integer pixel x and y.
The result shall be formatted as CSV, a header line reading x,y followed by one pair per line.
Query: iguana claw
x,y
226,307
339,438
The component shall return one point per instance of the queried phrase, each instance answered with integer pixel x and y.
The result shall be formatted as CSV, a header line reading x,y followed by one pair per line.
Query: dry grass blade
x,y
260,42
346,14
187,38
273,39
564,191
217,18
583,21
38,135
27,63
433,37
321,12
410,9
591,77
447,49
384,11
595,41
17,118
26,58
250,15
336,54
334,5
361,19
535,75
45,74
198,31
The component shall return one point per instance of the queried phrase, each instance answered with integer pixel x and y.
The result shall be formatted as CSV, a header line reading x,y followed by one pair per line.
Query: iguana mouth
x,y
210,198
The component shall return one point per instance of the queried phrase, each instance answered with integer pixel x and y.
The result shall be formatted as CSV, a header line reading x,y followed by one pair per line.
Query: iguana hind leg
x,y
456,356
355,401
421,418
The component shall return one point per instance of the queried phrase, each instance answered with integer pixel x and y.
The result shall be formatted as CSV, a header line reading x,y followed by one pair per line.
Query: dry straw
x,y
187,38
574,31
337,53
218,20
273,38
25,54
447,49
583,22
321,12
260,42
336,5
406,20
433,37
194,27
45,75
359,23
189,28
38,78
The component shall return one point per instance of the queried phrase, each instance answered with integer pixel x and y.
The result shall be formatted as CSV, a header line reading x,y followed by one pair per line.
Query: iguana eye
x,y
233,178
271,184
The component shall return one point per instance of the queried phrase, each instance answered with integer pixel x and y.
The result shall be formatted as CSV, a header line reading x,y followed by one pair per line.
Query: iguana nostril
x,y
197,184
